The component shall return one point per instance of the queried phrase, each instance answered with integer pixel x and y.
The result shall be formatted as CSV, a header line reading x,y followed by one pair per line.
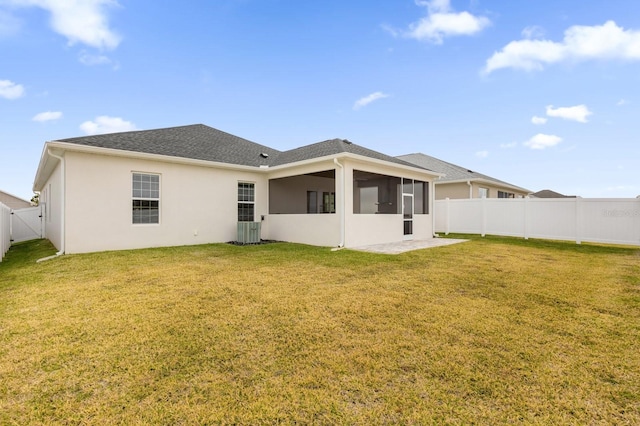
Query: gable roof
x,y
202,142
195,141
547,193
453,172
334,147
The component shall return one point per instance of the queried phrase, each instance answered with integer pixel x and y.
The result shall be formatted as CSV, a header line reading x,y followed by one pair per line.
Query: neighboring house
x,y
547,193
195,184
459,182
13,202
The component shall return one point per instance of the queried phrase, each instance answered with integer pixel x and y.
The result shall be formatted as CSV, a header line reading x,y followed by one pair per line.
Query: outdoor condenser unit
x,y
249,232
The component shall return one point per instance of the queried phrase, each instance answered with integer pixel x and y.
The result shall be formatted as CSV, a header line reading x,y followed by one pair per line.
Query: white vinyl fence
x,y
599,220
26,224
5,230
19,225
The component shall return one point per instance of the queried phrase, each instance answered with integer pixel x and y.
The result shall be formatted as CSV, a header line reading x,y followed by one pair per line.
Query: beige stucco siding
x,y
366,229
460,190
51,197
197,204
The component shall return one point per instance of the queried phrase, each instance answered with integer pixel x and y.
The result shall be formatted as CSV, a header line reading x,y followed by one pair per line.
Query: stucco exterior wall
x,y
460,190
13,202
51,197
366,229
197,204
313,229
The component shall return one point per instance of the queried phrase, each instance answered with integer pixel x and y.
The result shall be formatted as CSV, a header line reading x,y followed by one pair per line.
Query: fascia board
x,y
356,157
487,181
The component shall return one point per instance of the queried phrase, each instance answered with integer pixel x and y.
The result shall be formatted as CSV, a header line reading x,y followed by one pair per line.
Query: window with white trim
x,y
145,192
504,194
246,201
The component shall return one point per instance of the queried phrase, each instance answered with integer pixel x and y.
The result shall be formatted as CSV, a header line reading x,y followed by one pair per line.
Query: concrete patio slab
x,y
404,246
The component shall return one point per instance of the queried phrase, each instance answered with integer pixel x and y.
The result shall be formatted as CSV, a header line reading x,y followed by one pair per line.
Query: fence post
x,y
578,220
483,212
446,223
526,217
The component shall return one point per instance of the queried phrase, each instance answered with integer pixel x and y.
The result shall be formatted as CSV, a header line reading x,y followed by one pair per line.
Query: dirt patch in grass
x,y
493,331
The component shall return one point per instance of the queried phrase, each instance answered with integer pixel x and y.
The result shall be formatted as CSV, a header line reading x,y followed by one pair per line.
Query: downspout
x,y
470,189
63,202
342,202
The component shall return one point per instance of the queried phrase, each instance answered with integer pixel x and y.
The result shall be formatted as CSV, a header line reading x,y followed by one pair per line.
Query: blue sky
x,y
541,94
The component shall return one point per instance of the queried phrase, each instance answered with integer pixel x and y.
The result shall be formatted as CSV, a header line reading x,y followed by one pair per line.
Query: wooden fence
x,y
600,220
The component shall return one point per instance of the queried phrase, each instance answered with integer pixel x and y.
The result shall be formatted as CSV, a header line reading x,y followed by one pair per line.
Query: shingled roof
x,y
196,141
334,147
452,172
202,142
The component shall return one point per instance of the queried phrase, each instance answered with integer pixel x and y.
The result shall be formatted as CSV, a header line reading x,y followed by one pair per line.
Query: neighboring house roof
x,y
547,193
13,202
202,142
454,173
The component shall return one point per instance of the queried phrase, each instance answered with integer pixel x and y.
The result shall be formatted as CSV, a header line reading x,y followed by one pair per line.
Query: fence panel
x,y
602,220
26,224
5,230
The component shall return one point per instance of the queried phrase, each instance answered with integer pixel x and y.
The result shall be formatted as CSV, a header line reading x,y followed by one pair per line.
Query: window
x,y
483,192
312,202
381,194
328,202
146,198
421,194
246,202
503,194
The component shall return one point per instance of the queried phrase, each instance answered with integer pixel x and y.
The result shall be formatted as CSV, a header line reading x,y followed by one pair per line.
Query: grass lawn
x,y
491,331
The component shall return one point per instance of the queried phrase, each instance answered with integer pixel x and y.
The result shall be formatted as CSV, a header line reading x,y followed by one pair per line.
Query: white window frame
x,y
241,200
149,198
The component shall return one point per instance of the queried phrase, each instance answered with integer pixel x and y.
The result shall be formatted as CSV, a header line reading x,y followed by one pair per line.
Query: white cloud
x,y
542,141
509,145
105,124
368,99
482,154
10,90
538,120
442,22
580,43
533,32
80,21
89,59
47,116
575,113
622,102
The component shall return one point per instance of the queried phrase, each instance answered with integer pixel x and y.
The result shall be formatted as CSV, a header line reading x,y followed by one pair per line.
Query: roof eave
x,y
357,157
488,181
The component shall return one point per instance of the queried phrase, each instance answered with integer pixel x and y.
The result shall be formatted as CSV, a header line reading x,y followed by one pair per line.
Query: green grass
x,y
492,331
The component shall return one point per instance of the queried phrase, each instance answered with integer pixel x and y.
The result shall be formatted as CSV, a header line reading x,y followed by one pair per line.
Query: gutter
x,y
63,203
470,189
342,202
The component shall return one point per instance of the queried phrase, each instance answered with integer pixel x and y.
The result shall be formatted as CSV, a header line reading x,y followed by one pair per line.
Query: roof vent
x,y
470,171
264,155
347,141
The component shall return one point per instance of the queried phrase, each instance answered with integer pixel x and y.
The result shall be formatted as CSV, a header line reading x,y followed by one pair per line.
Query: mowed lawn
x,y
491,331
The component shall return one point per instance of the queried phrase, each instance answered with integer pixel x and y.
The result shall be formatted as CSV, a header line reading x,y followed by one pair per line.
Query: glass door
x,y
407,216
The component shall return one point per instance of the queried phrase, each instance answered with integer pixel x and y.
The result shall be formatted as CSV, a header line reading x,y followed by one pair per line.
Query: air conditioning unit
x,y
249,232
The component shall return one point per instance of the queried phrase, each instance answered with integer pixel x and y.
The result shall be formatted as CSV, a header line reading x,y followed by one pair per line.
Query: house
x,y
195,184
547,193
460,182
13,202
